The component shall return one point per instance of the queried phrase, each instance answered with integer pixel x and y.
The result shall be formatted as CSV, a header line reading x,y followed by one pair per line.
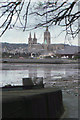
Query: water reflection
x,y
32,72
48,72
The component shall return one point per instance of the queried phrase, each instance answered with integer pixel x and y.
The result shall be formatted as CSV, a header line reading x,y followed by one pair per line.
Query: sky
x,y
18,36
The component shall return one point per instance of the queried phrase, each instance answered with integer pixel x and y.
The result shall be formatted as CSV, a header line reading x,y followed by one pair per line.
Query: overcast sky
x,y
18,36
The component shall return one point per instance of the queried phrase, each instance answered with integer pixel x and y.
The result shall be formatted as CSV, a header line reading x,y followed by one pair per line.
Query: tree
x,y
51,12
59,13
11,9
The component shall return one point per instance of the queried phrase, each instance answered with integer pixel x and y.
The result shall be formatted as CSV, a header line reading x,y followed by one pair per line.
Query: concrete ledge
x,y
40,61
39,103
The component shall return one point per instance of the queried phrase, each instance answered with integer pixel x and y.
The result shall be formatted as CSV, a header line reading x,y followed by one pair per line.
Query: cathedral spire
x,y
30,35
47,36
34,35
30,39
34,39
46,28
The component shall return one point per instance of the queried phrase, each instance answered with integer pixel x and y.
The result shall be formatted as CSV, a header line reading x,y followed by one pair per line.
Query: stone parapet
x,y
34,103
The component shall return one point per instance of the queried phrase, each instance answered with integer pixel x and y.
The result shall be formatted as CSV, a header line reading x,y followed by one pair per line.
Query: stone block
x,y
27,82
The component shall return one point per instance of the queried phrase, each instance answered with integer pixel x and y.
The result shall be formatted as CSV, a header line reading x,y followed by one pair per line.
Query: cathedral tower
x,y
30,40
47,36
34,39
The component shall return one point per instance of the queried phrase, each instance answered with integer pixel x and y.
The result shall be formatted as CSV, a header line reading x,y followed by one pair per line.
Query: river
x,y
13,73
65,76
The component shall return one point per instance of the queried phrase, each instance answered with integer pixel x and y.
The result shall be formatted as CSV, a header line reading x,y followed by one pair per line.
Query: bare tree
x,y
64,14
52,12
9,10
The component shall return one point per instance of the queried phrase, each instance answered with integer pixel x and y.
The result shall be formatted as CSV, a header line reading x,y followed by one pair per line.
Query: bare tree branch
x,y
50,13
61,14
26,15
13,9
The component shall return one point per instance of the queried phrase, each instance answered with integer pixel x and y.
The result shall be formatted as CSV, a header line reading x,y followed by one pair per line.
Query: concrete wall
x,y
42,105
40,61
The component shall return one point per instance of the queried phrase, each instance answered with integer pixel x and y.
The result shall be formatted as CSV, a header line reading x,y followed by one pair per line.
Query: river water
x,y
64,76
13,73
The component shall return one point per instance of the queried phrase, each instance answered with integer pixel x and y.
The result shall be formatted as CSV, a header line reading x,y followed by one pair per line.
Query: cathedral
x,y
46,47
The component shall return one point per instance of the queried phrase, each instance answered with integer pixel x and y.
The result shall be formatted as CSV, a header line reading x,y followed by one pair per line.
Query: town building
x,y
68,52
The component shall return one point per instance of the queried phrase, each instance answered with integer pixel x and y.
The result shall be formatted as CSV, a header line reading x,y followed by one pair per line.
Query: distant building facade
x,y
32,41
46,46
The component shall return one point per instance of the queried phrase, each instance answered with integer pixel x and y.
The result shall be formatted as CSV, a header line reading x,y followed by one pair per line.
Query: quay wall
x,y
40,103
41,61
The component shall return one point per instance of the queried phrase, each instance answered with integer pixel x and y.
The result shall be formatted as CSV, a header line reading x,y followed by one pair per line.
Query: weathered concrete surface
x,y
37,103
34,81
71,106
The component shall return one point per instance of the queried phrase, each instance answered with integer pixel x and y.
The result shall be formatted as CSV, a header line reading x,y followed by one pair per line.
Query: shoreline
x,y
25,66
40,61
